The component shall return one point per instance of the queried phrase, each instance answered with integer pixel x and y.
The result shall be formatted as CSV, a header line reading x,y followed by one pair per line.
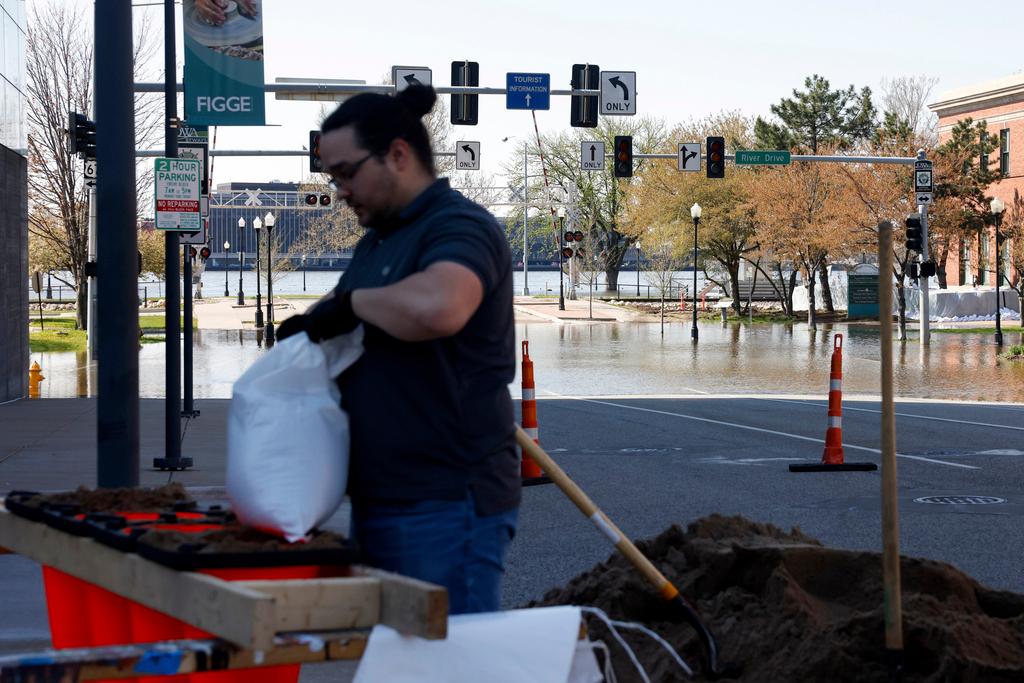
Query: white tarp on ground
x,y
515,646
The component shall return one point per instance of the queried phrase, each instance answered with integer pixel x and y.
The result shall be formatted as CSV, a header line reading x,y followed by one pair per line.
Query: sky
x,y
692,58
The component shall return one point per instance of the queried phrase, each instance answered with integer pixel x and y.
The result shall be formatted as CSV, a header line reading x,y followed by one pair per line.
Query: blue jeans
x,y
440,541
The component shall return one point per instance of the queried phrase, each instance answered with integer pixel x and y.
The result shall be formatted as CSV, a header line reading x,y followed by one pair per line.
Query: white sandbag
x,y
288,438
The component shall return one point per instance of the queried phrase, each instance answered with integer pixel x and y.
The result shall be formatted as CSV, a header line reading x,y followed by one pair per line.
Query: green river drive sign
x,y
763,158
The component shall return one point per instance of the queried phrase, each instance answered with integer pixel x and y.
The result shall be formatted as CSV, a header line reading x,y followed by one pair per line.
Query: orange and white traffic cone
x,y
530,472
832,457
833,453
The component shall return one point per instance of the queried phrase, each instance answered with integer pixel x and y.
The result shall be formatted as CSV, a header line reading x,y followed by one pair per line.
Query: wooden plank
x,y
180,657
322,604
234,613
410,606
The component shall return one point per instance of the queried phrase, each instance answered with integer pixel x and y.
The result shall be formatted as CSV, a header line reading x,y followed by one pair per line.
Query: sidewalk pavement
x,y
225,314
532,309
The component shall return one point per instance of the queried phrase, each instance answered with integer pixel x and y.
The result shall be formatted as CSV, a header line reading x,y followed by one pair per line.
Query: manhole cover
x,y
960,500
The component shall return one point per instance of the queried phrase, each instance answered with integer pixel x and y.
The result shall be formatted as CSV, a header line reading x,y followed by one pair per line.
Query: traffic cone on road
x,y
832,457
530,472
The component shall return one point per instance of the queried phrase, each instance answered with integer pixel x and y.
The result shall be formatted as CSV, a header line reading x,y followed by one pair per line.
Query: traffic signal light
x,y
325,200
574,238
311,199
715,148
315,165
583,108
82,136
914,233
928,269
623,156
465,108
204,253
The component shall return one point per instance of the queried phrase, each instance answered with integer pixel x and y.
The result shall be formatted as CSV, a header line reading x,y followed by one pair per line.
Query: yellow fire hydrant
x,y
35,376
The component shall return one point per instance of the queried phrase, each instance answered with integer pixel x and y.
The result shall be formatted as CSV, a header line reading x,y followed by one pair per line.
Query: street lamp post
x,y
561,245
227,245
241,259
998,207
257,225
269,220
695,211
303,272
638,269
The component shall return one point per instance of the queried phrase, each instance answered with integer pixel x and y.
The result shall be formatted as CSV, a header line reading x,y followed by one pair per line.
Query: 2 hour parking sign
x,y
177,195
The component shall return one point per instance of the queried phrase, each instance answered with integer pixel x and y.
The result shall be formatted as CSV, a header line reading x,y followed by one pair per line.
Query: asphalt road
x,y
653,462
650,463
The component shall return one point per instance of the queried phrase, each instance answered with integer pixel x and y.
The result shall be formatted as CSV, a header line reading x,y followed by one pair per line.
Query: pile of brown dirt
x,y
235,538
785,608
121,500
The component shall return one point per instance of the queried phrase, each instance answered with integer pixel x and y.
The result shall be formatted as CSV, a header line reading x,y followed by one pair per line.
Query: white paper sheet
x,y
516,646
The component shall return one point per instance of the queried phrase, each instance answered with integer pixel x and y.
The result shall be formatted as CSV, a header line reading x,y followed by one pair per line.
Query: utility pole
x,y
117,407
526,226
172,459
924,195
923,292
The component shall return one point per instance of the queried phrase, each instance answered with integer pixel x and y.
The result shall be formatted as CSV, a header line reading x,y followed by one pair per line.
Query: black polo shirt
x,y
432,420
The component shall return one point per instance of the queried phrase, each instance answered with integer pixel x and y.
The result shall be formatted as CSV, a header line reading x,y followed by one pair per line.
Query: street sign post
x,y
924,183
176,195
467,156
89,173
527,91
688,156
763,158
618,93
591,156
196,238
404,76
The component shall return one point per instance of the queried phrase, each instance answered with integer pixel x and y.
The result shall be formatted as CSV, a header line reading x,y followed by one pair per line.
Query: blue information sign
x,y
527,91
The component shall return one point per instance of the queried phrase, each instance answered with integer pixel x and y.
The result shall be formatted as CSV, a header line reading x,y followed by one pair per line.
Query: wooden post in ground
x,y
893,607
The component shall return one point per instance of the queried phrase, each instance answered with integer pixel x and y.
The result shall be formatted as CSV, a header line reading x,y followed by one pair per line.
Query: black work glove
x,y
293,325
331,317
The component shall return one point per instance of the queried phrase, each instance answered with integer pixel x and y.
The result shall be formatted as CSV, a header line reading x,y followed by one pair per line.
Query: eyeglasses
x,y
345,173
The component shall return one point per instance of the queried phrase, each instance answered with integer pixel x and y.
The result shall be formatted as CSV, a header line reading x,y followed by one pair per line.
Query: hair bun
x,y
418,99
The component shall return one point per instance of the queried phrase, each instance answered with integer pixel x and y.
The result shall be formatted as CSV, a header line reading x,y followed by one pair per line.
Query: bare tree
x,y
663,249
59,66
907,98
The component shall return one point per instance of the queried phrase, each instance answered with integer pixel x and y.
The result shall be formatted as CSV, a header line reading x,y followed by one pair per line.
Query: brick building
x,y
1001,104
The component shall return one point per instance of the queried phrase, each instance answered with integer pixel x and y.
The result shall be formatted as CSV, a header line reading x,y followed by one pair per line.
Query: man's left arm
x,y
430,304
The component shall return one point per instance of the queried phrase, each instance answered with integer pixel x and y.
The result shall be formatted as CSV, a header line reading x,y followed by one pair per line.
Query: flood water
x,y
633,359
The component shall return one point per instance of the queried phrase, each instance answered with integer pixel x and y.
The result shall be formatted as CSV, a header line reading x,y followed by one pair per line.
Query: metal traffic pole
x,y
172,459
924,306
526,226
117,406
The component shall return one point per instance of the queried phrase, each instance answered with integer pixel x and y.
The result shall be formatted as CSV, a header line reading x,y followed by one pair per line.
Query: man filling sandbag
x,y
434,474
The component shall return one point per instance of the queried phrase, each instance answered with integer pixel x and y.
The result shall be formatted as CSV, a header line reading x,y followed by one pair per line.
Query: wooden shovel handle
x,y
595,515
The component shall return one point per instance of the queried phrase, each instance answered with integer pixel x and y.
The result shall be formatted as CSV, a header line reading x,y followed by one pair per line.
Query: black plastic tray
x,y
20,503
188,557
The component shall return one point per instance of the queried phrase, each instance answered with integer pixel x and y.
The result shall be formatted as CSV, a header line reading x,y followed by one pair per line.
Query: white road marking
x,y
919,417
767,431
